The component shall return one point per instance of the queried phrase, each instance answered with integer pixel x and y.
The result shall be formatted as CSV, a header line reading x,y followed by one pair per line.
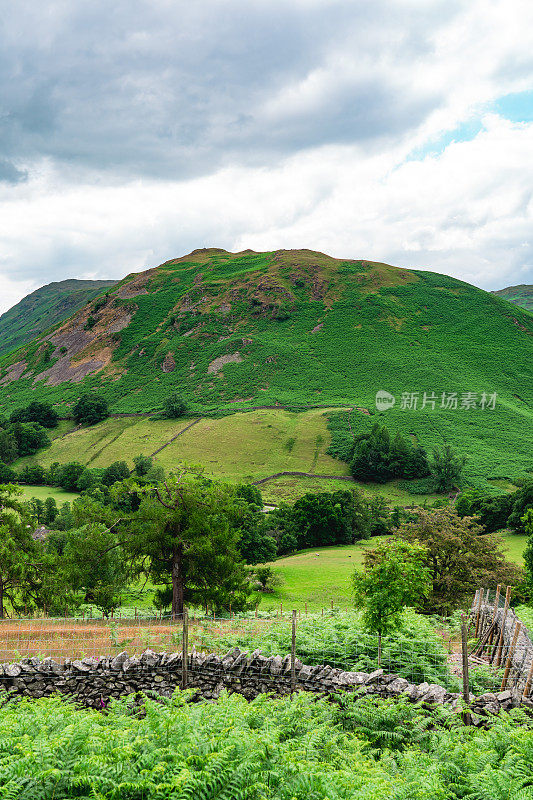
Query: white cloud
x,y
300,118
466,212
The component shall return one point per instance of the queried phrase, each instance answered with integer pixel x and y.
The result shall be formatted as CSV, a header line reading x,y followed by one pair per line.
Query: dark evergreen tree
x,y
90,409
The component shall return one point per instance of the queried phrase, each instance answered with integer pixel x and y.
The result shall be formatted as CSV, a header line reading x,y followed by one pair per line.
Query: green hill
x,y
45,308
521,295
299,329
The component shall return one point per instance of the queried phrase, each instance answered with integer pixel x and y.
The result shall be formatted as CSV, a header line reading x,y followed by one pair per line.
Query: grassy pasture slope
x,y
322,575
241,447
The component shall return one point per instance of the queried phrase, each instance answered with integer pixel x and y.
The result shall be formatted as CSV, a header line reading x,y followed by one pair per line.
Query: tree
x,y
94,564
118,471
42,413
90,409
184,537
522,501
446,468
29,437
256,544
33,475
380,516
87,479
175,406
67,475
143,465
371,459
491,512
7,475
50,511
395,575
266,579
327,518
37,510
527,522
8,446
375,457
459,557
25,569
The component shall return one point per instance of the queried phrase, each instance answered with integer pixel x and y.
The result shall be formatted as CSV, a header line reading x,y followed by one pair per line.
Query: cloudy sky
x,y
393,130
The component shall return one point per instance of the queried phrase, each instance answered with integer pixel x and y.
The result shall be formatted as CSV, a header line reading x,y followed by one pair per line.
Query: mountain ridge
x,y
521,295
44,308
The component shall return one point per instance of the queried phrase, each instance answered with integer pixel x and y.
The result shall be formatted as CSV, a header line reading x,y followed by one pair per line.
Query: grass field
x,y
42,492
241,447
316,577
321,576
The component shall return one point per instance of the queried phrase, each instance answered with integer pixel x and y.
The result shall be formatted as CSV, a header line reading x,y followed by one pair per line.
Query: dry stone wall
x,y
94,682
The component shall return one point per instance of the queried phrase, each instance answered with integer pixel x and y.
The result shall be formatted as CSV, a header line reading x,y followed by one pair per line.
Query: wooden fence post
x,y
504,618
527,687
466,683
496,602
510,655
293,653
478,611
185,649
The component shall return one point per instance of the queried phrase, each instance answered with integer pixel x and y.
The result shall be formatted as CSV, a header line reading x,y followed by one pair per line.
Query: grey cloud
x,y
9,172
177,89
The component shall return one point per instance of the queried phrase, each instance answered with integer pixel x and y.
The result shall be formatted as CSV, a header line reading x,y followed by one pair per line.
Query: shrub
x,y
42,413
90,409
175,406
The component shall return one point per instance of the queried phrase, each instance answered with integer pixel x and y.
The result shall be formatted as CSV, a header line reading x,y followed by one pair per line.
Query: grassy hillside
x,y
521,295
322,576
45,308
299,329
247,447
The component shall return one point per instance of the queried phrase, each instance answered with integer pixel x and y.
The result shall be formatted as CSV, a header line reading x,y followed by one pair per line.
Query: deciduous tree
x,y
460,558
395,575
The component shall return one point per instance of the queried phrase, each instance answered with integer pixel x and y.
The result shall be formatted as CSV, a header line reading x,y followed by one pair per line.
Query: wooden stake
x,y
527,687
293,653
496,601
466,683
185,649
478,611
500,642
510,655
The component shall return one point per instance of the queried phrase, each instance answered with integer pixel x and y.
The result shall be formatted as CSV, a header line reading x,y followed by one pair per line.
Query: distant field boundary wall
x,y
304,475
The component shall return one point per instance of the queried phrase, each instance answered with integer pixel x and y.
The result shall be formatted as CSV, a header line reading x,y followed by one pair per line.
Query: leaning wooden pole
x,y
466,683
478,610
527,687
502,630
293,653
510,655
496,602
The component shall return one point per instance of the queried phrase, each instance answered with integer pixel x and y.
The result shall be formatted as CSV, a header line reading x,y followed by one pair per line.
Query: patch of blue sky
x,y
516,107
464,132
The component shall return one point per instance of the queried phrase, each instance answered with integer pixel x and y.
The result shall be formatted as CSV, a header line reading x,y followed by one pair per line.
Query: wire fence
x,y
335,638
